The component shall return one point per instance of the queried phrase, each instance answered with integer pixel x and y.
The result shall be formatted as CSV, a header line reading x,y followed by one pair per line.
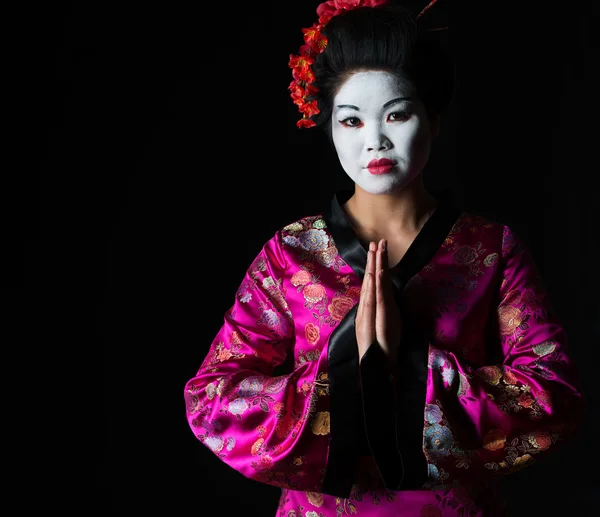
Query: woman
x,y
418,358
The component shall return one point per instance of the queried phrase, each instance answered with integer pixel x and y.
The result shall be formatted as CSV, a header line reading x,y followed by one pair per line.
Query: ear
x,y
434,124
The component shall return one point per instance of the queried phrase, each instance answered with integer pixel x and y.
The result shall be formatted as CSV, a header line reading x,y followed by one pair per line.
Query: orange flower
x,y
509,319
300,277
299,62
309,108
284,426
339,307
256,446
509,377
314,292
494,439
315,498
320,424
541,440
525,400
305,122
353,292
312,333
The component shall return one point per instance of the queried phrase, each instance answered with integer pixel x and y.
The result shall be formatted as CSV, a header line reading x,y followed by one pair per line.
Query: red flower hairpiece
x,y
315,42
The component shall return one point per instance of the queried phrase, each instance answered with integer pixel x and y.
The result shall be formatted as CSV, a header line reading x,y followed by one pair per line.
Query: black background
x,y
167,152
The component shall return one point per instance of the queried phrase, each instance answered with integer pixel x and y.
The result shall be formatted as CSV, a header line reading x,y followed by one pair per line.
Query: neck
x,y
377,215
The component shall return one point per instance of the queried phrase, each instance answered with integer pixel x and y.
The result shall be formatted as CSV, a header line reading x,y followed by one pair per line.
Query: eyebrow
x,y
386,105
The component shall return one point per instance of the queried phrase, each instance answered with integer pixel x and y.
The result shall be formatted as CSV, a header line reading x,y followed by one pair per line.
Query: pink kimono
x,y
484,383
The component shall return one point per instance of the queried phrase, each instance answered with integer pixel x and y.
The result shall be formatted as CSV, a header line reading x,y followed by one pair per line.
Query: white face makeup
x,y
374,118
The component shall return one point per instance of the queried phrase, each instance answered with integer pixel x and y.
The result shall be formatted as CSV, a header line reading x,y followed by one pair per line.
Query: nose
x,y
377,141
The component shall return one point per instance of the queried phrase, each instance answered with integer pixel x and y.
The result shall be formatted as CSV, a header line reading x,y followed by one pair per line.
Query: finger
x,y
381,312
363,290
366,318
386,283
384,256
370,267
379,256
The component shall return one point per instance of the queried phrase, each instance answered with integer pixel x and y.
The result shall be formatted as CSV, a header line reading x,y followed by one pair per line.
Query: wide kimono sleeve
x,y
495,419
253,421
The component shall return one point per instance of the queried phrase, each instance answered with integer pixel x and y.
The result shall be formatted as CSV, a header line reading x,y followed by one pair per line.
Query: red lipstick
x,y
381,166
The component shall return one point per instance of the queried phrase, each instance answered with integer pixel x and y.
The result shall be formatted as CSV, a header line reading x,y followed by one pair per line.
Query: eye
x,y
399,116
351,122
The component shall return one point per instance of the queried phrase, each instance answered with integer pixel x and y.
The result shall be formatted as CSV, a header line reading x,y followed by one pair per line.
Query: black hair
x,y
385,38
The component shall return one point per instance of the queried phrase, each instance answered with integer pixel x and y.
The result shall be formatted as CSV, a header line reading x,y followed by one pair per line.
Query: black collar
x,y
420,252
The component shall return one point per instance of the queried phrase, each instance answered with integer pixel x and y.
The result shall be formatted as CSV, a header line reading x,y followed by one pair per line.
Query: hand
x,y
378,317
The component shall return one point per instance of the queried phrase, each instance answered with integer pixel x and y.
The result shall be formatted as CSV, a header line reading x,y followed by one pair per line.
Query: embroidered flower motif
x,y
313,240
192,402
214,443
315,498
339,307
327,257
509,319
259,264
237,338
284,426
211,390
463,385
312,333
222,387
448,375
275,384
545,348
291,241
437,359
494,440
465,255
525,400
522,461
265,462
491,260
490,374
251,387
270,318
320,224
438,439
245,297
544,397
293,227
353,292
432,472
320,423
223,355
256,446
268,282
300,277
230,443
314,293
238,406
509,377
540,440
433,413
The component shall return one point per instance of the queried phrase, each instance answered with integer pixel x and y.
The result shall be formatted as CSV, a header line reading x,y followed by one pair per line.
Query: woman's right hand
x,y
378,317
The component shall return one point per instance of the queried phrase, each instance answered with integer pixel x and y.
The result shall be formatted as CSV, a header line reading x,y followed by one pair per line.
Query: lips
x,y
381,166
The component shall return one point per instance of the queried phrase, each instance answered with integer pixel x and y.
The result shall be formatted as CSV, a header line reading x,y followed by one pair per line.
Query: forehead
x,y
371,85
